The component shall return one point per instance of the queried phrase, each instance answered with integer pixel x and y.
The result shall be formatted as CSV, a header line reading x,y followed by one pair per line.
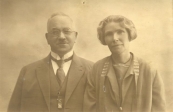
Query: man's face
x,y
116,37
61,35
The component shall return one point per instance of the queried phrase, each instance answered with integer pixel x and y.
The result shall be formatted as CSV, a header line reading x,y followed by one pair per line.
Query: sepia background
x,y
23,28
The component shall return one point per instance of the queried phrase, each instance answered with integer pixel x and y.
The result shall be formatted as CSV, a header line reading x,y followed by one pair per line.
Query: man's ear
x,y
47,37
76,34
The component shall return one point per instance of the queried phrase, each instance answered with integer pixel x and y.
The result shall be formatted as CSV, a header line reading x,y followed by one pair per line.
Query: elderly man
x,y
122,82
57,82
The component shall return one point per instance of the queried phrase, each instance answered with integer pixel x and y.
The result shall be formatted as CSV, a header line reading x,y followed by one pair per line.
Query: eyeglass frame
x,y
66,33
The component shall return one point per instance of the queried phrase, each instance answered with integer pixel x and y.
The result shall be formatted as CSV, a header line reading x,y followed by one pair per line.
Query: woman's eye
x,y
120,31
109,34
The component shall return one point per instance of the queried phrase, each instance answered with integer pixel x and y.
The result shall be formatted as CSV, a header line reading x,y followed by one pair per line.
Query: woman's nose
x,y
115,37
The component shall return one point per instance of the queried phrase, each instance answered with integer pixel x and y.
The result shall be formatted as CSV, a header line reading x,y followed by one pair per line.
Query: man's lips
x,y
61,43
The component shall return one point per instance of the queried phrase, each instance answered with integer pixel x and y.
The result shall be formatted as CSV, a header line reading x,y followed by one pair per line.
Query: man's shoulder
x,y
36,64
87,63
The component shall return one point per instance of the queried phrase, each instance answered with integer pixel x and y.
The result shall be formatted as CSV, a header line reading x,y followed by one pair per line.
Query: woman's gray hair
x,y
124,22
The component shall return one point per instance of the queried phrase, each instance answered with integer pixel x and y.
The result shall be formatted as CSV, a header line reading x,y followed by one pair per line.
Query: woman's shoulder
x,y
102,61
148,65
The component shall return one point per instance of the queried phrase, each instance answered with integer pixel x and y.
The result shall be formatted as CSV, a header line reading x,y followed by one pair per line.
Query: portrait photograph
x,y
86,56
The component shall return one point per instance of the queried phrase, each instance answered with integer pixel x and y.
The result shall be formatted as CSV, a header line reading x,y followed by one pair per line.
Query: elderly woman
x,y
122,81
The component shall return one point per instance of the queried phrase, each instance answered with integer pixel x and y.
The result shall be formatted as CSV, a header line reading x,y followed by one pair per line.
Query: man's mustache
x,y
63,41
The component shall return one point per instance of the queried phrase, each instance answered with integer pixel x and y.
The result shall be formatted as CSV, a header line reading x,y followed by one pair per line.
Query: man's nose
x,y
62,36
115,37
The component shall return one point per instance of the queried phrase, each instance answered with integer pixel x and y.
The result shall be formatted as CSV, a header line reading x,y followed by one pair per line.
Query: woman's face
x,y
116,37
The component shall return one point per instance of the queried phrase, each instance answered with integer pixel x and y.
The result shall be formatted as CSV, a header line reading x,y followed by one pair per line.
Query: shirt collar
x,y
67,55
134,65
127,64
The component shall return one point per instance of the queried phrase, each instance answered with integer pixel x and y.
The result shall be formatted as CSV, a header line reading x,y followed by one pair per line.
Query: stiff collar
x,y
67,55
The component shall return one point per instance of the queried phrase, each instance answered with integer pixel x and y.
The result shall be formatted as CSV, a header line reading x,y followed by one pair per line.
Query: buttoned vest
x,y
54,90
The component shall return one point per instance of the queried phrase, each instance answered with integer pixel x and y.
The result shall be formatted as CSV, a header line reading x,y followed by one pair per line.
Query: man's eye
x,y
66,32
55,32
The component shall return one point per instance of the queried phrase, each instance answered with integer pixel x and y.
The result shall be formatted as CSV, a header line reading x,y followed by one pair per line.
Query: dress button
x,y
121,108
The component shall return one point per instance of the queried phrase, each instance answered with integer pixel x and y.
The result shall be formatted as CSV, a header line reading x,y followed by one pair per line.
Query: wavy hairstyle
x,y
124,22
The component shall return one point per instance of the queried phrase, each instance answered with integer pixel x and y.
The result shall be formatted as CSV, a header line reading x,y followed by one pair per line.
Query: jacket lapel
x,y
113,81
42,73
75,73
132,73
126,84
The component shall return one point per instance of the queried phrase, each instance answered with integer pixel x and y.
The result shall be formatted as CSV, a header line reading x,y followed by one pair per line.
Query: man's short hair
x,y
124,22
58,14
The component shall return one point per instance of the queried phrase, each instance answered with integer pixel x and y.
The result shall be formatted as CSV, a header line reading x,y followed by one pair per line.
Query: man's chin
x,y
62,45
63,50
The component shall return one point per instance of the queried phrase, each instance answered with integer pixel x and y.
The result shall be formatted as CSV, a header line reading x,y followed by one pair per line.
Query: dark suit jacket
x,y
32,90
149,93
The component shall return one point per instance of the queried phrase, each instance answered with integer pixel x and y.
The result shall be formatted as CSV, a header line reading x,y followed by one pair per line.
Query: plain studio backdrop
x,y
23,27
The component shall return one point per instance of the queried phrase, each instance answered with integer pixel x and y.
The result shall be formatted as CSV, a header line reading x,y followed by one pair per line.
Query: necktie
x,y
60,74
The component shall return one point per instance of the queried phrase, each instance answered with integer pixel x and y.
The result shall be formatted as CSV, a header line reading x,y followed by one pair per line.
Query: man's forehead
x,y
59,17
60,21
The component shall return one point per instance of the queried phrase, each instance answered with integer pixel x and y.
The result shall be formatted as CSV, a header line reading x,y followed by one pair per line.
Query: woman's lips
x,y
117,45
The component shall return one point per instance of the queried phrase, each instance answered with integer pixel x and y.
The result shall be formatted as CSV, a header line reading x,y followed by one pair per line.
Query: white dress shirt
x,y
66,65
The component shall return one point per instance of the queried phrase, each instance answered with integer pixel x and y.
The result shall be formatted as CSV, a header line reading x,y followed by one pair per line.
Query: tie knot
x,y
61,61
